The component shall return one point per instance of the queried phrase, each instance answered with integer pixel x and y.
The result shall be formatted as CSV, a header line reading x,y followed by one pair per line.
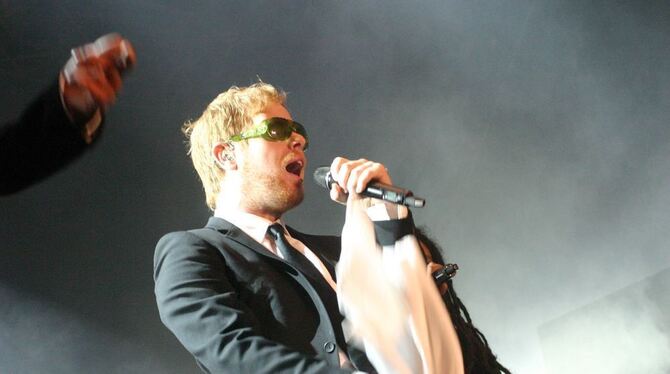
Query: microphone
x,y
386,192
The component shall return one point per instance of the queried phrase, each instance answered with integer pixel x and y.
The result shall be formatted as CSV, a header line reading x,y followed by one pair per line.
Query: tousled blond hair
x,y
228,114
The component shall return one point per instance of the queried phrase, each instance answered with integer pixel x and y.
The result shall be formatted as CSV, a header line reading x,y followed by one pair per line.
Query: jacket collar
x,y
235,233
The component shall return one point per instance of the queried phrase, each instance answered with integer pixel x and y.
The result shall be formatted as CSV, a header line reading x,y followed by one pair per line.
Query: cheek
x,y
263,154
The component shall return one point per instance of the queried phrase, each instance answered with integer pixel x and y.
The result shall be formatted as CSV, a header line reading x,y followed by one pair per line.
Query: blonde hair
x,y
228,114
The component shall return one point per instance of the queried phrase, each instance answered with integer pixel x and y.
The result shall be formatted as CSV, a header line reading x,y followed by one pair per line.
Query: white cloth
x,y
391,303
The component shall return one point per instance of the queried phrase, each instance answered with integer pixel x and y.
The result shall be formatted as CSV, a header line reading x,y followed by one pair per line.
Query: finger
x,y
118,57
112,49
114,79
373,171
107,41
99,88
97,48
131,56
93,77
344,173
338,195
335,167
102,94
368,172
433,267
92,66
121,54
357,171
79,103
97,66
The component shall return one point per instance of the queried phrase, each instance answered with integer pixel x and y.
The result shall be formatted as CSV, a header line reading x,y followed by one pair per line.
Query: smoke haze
x,y
537,131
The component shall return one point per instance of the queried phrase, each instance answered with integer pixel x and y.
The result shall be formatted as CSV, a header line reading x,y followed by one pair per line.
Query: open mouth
x,y
295,167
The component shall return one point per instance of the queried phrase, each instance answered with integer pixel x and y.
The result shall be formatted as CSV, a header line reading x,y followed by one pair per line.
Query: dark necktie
x,y
315,278
292,255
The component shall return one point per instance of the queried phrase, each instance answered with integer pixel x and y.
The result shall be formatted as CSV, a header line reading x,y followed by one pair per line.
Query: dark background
x,y
536,130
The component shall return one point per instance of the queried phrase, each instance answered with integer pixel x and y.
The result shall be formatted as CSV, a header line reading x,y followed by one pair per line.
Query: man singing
x,y
247,293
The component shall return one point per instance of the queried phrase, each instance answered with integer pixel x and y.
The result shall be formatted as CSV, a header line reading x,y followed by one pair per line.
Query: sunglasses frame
x,y
262,130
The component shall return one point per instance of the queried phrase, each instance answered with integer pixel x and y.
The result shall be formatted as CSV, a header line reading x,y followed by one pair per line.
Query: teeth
x,y
299,163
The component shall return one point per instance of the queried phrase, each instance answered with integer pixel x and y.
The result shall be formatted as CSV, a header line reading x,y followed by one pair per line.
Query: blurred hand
x,y
91,78
432,267
354,176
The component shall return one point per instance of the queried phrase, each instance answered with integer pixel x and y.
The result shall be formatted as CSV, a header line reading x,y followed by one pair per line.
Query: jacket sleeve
x,y
39,143
198,303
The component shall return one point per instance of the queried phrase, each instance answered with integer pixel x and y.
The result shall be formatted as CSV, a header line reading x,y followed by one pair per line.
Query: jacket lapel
x,y
315,248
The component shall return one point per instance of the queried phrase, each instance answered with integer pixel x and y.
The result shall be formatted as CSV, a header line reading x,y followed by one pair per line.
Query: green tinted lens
x,y
281,129
278,129
300,130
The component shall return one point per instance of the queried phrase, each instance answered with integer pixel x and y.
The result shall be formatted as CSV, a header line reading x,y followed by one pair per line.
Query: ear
x,y
224,156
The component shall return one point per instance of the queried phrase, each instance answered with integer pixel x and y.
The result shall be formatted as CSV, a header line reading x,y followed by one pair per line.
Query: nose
x,y
297,141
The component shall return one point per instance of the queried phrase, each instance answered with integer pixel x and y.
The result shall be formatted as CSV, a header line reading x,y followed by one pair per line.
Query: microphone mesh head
x,y
322,176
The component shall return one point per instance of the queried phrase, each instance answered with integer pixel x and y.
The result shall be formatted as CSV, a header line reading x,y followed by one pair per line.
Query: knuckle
x,y
337,161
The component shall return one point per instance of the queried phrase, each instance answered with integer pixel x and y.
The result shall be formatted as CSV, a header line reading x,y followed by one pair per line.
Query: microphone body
x,y
381,191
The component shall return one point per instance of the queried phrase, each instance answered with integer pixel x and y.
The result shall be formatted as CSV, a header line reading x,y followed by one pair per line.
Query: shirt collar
x,y
254,226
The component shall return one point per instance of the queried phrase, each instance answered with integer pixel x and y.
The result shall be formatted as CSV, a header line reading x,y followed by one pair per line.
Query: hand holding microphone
x,y
367,178
91,78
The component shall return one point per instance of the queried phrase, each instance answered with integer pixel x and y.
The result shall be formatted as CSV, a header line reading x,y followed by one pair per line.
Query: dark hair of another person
x,y
477,355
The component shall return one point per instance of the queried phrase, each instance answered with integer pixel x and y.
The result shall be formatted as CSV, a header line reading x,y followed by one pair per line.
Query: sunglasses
x,y
273,129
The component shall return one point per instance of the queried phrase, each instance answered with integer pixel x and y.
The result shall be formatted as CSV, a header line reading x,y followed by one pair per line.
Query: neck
x,y
232,199
268,216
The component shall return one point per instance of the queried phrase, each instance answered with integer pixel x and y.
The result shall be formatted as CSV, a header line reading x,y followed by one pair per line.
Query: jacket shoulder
x,y
186,245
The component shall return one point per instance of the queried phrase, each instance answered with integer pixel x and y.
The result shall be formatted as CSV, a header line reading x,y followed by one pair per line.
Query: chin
x,y
296,199
282,201
271,193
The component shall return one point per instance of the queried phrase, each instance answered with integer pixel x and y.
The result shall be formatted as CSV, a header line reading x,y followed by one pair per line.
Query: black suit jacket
x,y
238,308
40,142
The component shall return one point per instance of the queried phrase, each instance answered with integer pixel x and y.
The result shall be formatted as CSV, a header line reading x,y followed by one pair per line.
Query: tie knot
x,y
276,230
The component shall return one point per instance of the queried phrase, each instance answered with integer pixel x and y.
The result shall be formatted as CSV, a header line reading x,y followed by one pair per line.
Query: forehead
x,y
272,110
